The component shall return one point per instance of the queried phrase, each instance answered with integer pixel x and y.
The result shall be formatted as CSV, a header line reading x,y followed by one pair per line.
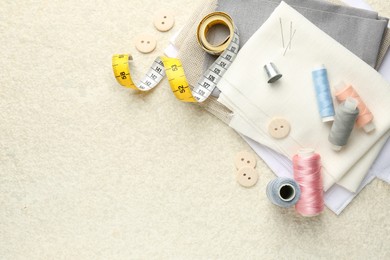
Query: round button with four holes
x,y
145,43
279,128
164,20
247,177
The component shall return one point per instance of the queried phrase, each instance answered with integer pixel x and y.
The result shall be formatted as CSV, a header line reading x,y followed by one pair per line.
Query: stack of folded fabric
x,y
347,40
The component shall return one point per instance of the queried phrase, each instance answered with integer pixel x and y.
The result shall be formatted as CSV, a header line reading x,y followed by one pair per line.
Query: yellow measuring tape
x,y
161,66
173,68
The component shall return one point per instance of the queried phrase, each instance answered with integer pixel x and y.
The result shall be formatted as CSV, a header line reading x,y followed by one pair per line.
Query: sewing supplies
x,y
246,174
365,117
174,70
283,192
164,20
307,173
204,27
323,93
288,47
145,43
281,31
342,127
290,42
272,72
244,96
244,159
279,128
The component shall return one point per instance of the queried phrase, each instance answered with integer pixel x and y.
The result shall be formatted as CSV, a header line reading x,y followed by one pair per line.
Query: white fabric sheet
x,y
337,197
251,97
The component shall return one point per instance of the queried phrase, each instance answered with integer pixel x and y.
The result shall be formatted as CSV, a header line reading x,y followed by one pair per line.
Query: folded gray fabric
x,y
358,30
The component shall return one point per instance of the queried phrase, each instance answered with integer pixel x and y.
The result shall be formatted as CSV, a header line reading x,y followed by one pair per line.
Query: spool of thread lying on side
x,y
365,117
323,93
283,192
307,173
342,127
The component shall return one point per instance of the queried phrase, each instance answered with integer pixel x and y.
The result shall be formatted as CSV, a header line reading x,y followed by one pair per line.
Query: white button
x,y
164,20
243,159
279,128
145,43
247,177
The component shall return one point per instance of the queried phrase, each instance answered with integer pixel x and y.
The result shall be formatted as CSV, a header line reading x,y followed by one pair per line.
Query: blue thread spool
x,y
324,96
283,192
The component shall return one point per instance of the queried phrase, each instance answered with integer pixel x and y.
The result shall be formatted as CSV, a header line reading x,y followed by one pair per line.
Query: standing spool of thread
x,y
365,117
283,192
342,127
324,95
307,173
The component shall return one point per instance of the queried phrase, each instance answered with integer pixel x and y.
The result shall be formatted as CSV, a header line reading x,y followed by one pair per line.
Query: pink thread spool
x,y
307,172
365,117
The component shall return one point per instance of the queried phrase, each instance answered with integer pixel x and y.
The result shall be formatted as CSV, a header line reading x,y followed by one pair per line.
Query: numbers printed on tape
x,y
173,68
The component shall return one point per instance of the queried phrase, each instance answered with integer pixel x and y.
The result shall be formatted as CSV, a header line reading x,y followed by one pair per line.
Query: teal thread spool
x,y
323,94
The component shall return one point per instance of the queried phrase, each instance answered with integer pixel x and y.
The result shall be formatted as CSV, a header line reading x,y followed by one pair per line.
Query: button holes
x,y
281,126
249,178
276,129
242,159
248,161
165,17
244,174
163,23
148,42
142,41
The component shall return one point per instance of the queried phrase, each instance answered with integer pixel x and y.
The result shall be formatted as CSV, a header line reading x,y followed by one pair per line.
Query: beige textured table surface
x,y
90,170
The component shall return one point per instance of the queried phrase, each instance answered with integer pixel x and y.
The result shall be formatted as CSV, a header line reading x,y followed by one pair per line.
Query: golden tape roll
x,y
209,21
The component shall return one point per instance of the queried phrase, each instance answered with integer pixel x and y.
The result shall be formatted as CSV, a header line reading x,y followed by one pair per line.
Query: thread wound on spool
x,y
365,117
307,173
283,192
343,124
323,94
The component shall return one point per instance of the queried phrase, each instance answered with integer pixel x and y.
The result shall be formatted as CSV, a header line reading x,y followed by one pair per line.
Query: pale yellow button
x,y
243,159
247,177
279,128
164,20
145,43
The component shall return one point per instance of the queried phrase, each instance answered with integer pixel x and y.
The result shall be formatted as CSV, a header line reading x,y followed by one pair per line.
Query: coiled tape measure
x,y
173,67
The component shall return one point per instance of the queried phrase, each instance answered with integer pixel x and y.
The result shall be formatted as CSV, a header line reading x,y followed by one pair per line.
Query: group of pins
x,y
350,111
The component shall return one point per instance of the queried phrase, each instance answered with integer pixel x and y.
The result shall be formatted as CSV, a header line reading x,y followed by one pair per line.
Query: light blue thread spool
x,y
283,192
324,96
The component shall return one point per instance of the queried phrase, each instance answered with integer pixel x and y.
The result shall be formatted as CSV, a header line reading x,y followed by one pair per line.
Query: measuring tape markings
x,y
215,72
173,67
120,64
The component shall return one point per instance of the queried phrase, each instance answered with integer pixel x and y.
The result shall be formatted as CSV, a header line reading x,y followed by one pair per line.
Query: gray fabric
x,y
358,30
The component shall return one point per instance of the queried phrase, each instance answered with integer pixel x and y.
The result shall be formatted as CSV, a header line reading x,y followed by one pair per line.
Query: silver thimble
x,y
272,72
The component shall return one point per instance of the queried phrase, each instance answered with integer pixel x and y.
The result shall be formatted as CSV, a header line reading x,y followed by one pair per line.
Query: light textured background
x,y
90,170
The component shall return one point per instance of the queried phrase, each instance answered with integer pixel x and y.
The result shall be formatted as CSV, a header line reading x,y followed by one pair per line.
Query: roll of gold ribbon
x,y
209,21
